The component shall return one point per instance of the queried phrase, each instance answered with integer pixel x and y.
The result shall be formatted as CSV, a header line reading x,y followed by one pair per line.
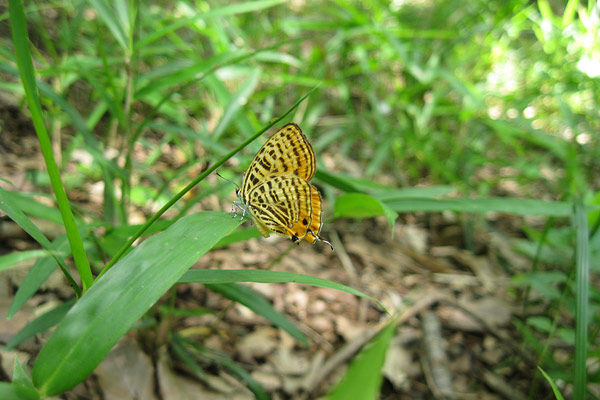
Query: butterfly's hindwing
x,y
284,205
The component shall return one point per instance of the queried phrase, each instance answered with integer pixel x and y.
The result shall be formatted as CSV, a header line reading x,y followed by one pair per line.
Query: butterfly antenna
x,y
222,177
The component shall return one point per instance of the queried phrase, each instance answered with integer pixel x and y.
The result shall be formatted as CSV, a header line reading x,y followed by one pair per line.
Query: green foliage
x,y
363,378
493,105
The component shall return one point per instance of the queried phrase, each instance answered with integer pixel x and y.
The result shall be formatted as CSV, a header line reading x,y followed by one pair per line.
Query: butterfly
x,y
276,191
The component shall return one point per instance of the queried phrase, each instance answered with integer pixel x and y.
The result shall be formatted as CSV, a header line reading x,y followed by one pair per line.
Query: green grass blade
x,y
31,206
390,194
20,37
92,145
363,379
231,276
582,301
14,212
9,260
37,276
219,358
499,204
569,14
41,324
557,394
254,301
108,309
337,181
15,392
227,10
236,103
21,387
108,17
223,96
180,74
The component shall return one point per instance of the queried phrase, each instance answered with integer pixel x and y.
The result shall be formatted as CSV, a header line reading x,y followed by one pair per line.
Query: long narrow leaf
x,y
227,10
254,301
10,260
236,103
506,205
230,276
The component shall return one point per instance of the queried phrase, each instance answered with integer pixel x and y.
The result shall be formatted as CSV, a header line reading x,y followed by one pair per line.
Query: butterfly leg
x,y
238,206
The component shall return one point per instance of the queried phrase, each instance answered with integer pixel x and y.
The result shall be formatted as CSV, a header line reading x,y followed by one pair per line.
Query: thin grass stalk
x,y
582,301
200,178
18,27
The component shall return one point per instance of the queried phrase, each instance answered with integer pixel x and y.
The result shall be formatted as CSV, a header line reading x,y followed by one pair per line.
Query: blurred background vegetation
x,y
441,106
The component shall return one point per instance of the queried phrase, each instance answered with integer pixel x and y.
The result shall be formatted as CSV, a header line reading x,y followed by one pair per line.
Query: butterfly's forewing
x,y
287,152
284,205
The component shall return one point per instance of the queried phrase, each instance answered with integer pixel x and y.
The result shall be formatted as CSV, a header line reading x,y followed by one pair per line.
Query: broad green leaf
x,y
360,205
239,235
236,275
254,301
121,296
363,379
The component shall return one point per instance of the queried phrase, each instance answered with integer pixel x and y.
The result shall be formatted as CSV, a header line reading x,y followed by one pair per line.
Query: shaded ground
x,y
422,269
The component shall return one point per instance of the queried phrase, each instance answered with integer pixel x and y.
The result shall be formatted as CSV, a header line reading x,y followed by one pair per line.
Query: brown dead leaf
x,y
259,343
126,373
349,329
399,366
491,310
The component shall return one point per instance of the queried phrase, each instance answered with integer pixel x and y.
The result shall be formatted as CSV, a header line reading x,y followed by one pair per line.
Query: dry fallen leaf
x,y
126,373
